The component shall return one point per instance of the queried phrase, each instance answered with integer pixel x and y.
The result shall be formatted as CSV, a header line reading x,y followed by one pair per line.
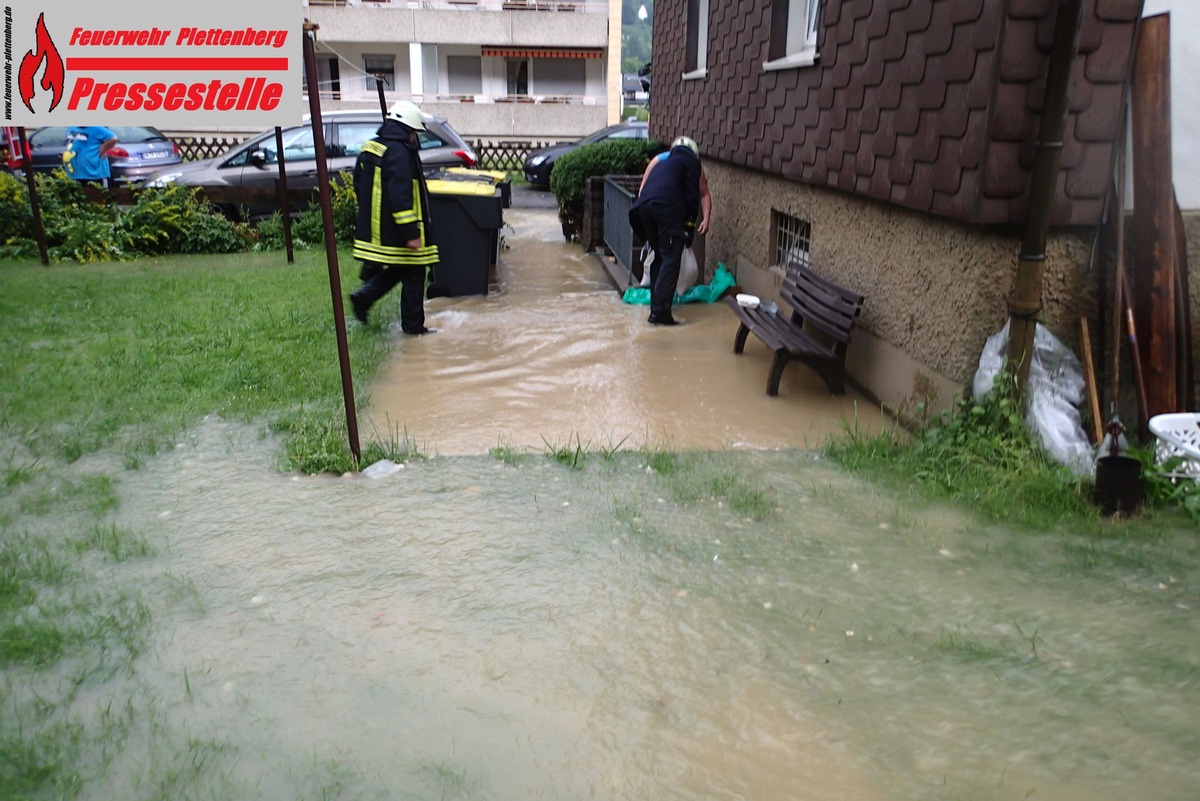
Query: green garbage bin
x,y
467,216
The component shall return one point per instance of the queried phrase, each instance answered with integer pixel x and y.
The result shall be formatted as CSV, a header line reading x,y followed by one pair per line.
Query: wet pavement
x,y
552,357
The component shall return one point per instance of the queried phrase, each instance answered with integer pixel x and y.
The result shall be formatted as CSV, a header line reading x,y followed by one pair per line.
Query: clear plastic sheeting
x,y
1056,389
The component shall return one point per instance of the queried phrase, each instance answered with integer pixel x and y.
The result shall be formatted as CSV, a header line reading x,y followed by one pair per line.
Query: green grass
x,y
117,543
572,455
508,454
982,457
120,358
89,351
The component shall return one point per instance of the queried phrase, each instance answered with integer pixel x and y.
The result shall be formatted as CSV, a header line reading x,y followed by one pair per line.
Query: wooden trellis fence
x,y
505,154
494,154
194,148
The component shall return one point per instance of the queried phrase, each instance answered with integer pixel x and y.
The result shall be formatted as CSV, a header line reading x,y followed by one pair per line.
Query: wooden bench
x,y
816,332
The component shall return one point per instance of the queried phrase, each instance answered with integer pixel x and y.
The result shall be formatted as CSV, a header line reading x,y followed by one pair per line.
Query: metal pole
x,y
1026,300
382,101
281,190
335,284
39,230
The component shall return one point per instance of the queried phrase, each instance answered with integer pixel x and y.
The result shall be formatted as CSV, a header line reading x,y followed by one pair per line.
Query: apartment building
x,y
499,69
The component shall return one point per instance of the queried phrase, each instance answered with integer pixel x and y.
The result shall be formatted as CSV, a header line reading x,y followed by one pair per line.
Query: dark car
x,y
139,151
539,163
255,163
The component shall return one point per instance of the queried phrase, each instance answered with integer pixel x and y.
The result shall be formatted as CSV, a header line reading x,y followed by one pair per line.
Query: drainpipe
x,y
1025,302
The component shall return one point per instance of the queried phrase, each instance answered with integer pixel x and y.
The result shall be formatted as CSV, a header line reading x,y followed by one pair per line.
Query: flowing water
x,y
553,355
468,627
740,623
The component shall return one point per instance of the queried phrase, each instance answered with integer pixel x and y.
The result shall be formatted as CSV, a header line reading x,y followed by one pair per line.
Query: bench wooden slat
x,y
830,310
818,307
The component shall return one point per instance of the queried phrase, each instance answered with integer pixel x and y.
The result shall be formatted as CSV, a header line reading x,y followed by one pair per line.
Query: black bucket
x,y
1119,484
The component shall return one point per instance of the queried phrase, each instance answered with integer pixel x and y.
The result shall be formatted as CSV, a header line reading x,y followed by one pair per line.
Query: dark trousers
x,y
666,233
379,279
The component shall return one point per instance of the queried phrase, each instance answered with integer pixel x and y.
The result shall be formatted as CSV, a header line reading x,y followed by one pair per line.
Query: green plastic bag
x,y
700,293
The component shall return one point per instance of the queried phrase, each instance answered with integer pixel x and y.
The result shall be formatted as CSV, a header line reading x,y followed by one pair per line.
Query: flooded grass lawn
x,y
723,625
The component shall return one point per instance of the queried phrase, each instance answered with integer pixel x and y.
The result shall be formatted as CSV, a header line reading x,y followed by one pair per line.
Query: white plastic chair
x,y
1178,435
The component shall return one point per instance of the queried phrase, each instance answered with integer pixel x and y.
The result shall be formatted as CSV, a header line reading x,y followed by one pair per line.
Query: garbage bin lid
x,y
448,175
478,188
498,176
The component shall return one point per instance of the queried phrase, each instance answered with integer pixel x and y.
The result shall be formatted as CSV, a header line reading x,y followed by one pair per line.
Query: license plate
x,y
155,154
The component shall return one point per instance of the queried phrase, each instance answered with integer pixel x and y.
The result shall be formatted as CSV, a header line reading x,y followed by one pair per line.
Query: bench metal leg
x,y
780,362
834,376
739,342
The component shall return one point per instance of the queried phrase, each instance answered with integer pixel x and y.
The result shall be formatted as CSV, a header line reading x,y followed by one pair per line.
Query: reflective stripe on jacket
x,y
393,202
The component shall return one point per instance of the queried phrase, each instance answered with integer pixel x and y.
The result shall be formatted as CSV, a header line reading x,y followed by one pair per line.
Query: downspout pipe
x,y
1025,301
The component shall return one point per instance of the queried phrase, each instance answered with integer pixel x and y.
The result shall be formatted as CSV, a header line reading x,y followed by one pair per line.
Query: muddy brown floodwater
x,y
738,621
470,628
554,356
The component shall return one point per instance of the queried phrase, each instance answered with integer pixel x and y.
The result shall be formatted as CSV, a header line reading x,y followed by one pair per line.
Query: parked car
x,y
539,163
139,151
255,163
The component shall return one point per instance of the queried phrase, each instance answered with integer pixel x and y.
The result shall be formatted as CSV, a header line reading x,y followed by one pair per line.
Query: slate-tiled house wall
x,y
909,146
928,104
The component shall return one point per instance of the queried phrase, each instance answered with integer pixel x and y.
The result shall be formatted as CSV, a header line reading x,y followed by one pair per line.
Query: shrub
x,y
625,157
308,229
16,217
345,208
170,219
212,232
270,233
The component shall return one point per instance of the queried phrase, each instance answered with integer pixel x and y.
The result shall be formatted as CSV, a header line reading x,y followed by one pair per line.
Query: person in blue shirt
x,y
85,158
673,194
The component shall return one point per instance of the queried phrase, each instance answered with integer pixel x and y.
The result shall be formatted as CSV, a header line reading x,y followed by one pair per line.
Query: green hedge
x,y
170,219
571,171
167,220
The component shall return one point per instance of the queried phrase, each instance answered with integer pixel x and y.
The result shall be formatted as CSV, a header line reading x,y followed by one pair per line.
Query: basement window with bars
x,y
791,239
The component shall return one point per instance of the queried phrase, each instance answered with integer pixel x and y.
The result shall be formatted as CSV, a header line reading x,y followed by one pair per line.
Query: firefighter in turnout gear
x,y
392,233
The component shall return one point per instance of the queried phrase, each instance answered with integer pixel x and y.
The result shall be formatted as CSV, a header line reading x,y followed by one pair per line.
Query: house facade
x,y
890,144
499,69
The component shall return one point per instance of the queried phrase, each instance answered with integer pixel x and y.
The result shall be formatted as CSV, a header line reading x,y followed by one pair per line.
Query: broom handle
x,y
1138,376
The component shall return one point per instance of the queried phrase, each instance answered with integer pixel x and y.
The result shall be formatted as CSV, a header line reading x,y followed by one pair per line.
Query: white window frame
x,y
804,20
700,69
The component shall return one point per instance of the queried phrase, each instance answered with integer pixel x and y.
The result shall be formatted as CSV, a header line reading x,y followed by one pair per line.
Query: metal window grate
x,y
791,239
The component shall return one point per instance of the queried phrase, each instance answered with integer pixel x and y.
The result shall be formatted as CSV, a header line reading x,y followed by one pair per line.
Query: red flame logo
x,y
52,77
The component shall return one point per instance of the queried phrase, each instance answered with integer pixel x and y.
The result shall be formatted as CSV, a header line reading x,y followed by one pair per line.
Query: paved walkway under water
x,y
552,357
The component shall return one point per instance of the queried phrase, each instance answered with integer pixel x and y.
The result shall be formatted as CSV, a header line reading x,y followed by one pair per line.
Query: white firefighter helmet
x,y
689,143
407,113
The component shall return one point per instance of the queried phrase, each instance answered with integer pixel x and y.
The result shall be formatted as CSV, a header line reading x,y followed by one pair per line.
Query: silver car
x,y
254,163
140,151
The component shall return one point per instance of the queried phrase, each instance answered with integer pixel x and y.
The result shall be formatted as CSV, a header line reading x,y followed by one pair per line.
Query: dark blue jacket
x,y
676,180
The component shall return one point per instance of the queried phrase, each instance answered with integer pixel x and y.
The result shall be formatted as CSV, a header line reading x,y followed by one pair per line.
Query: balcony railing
x,y
370,99
585,6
